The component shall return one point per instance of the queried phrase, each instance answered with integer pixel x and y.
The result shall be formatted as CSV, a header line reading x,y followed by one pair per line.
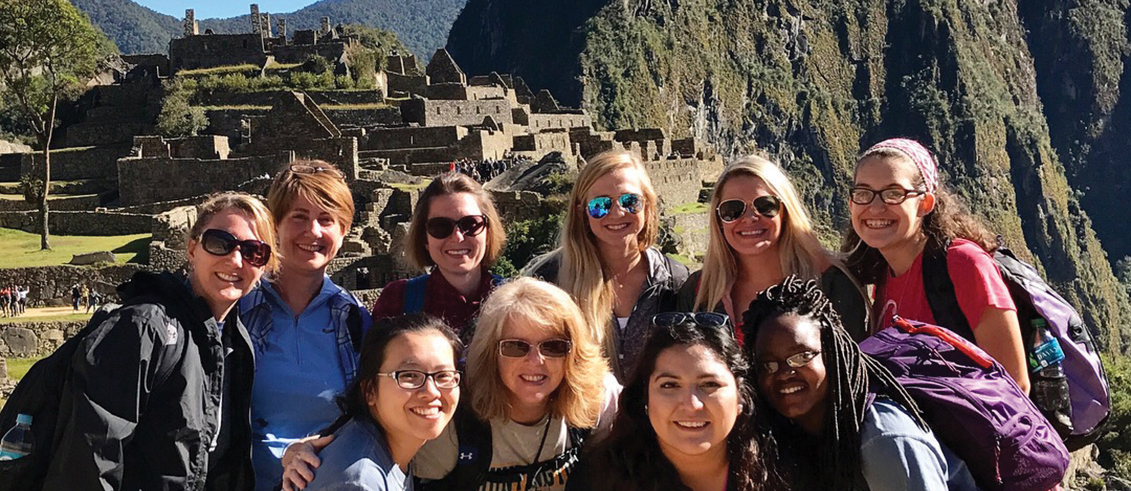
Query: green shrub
x,y
1115,446
179,118
527,239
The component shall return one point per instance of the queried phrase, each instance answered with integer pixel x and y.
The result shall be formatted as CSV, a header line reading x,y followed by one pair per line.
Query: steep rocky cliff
x,y
812,82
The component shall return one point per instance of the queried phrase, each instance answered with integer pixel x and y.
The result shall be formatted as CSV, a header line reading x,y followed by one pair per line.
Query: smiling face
x,y
799,394
753,234
457,254
692,401
221,280
413,416
531,380
309,237
885,227
618,229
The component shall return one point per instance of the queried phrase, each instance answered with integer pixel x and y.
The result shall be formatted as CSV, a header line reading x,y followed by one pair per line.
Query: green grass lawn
x,y
17,368
21,249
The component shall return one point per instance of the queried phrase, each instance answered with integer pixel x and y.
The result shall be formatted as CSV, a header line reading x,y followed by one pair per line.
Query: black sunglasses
x,y
733,209
550,348
713,320
443,227
221,243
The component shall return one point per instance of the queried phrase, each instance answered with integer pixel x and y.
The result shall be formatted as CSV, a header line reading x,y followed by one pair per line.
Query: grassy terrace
x,y
21,249
219,70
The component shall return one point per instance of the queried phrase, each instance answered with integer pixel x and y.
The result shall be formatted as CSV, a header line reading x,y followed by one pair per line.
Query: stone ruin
x,y
386,142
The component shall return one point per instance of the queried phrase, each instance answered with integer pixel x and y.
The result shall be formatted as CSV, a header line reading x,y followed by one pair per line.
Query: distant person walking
x,y
21,298
75,297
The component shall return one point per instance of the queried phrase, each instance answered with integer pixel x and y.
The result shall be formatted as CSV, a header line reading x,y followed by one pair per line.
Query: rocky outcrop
x,y
811,83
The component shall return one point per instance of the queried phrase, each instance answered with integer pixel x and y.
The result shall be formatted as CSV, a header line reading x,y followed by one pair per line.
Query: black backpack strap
x,y
414,294
940,293
353,326
473,457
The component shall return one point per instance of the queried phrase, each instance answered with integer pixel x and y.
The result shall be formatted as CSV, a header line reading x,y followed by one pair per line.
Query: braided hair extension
x,y
849,372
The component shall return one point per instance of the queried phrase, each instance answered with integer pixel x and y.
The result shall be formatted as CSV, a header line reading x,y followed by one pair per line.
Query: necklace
x,y
542,444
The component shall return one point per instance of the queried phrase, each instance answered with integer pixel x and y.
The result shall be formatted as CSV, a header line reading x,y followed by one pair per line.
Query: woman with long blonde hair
x,y
607,259
761,233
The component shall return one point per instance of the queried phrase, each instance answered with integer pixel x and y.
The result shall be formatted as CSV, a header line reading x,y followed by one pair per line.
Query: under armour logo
x,y
466,456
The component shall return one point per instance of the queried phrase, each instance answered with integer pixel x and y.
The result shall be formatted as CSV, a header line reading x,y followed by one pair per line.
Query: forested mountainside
x,y
1022,106
421,24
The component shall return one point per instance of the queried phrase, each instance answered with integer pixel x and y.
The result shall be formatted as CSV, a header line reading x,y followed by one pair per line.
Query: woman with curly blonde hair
x,y
607,259
761,233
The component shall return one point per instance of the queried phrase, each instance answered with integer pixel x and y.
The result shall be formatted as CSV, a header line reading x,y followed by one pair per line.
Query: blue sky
x,y
207,9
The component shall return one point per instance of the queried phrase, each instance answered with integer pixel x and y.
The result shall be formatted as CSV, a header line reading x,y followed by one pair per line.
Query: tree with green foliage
x,y
46,46
178,116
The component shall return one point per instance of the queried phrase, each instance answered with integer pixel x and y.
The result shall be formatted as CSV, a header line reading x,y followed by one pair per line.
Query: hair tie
x,y
918,154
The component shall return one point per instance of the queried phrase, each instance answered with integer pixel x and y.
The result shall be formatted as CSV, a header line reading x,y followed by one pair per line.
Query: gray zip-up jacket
x,y
665,278
142,407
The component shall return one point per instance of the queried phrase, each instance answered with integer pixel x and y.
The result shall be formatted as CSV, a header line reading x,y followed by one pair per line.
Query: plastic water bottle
x,y
18,441
1050,387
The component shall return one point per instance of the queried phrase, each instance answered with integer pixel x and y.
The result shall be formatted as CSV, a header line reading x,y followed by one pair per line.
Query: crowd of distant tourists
x,y
13,300
607,365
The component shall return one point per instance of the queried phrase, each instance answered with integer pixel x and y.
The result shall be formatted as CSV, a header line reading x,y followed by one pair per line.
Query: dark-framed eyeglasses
x,y
891,196
600,206
733,209
316,169
221,243
550,348
794,361
443,227
415,379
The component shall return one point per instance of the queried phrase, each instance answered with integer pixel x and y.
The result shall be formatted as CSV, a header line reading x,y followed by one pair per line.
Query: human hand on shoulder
x,y
300,459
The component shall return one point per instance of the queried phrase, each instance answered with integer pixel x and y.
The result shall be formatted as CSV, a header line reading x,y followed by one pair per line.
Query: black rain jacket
x,y
141,409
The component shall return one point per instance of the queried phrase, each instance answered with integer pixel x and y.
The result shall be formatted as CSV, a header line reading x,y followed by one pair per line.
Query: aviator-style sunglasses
x,y
600,206
221,243
550,348
733,209
442,227
709,320
795,361
891,196
415,379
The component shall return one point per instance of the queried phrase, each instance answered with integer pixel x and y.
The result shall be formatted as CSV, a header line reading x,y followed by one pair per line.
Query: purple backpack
x,y
1087,382
973,406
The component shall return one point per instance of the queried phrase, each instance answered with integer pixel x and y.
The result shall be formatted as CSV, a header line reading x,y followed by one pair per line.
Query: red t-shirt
x,y
977,284
441,299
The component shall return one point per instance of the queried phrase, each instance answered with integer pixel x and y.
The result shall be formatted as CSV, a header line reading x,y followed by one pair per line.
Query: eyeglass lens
x,y
550,348
443,227
221,243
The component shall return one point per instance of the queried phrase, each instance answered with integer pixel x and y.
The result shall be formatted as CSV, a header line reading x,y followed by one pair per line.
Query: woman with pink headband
x,y
902,214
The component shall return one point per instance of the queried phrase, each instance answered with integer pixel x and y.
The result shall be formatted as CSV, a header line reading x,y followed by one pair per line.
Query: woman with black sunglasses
x,y
760,233
838,419
537,388
159,396
305,329
687,419
455,231
607,257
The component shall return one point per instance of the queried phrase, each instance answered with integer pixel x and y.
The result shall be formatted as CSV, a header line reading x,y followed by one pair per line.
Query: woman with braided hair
x,y
839,419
